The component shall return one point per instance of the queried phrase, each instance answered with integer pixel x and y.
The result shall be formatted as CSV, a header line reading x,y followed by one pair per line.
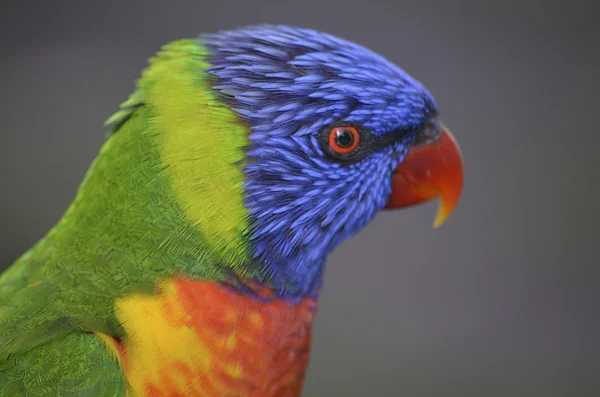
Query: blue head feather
x,y
289,84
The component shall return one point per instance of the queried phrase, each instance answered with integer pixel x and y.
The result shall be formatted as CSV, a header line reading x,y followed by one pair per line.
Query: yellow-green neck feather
x,y
201,144
164,195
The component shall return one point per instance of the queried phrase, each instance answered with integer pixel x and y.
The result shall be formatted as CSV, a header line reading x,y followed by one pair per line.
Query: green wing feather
x,y
45,349
76,365
42,351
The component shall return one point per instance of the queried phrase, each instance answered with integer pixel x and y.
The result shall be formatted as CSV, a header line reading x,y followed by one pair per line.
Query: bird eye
x,y
344,139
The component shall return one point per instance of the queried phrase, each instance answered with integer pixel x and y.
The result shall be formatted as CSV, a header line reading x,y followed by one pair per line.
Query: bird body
x,y
191,260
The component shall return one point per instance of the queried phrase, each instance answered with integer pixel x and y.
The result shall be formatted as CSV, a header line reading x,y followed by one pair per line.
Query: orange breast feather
x,y
199,338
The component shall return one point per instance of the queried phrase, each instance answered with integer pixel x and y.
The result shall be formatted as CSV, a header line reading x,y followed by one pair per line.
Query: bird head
x,y
337,133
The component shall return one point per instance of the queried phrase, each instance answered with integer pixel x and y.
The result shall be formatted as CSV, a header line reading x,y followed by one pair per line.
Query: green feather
x,y
127,108
76,365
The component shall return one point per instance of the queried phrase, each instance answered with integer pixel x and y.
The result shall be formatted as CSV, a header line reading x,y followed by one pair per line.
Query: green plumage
x,y
124,231
73,365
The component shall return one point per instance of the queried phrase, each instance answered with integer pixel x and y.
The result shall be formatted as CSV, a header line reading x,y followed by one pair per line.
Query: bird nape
x,y
191,259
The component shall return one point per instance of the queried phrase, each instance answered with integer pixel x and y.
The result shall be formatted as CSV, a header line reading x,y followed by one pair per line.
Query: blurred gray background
x,y
501,301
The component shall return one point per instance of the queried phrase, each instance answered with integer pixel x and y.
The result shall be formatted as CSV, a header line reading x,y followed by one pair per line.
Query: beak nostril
x,y
430,132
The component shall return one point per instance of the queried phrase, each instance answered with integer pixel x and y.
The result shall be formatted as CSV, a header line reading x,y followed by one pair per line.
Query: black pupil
x,y
344,138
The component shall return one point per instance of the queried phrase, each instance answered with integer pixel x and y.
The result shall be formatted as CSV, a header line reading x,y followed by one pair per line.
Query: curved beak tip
x,y
430,171
442,214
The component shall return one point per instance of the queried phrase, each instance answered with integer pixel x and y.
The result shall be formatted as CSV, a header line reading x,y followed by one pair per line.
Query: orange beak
x,y
429,171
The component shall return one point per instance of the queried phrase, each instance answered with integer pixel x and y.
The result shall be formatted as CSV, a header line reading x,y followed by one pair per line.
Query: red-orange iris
x,y
344,139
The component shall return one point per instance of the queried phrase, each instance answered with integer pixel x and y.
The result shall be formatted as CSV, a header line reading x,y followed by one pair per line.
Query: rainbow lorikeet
x,y
191,260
